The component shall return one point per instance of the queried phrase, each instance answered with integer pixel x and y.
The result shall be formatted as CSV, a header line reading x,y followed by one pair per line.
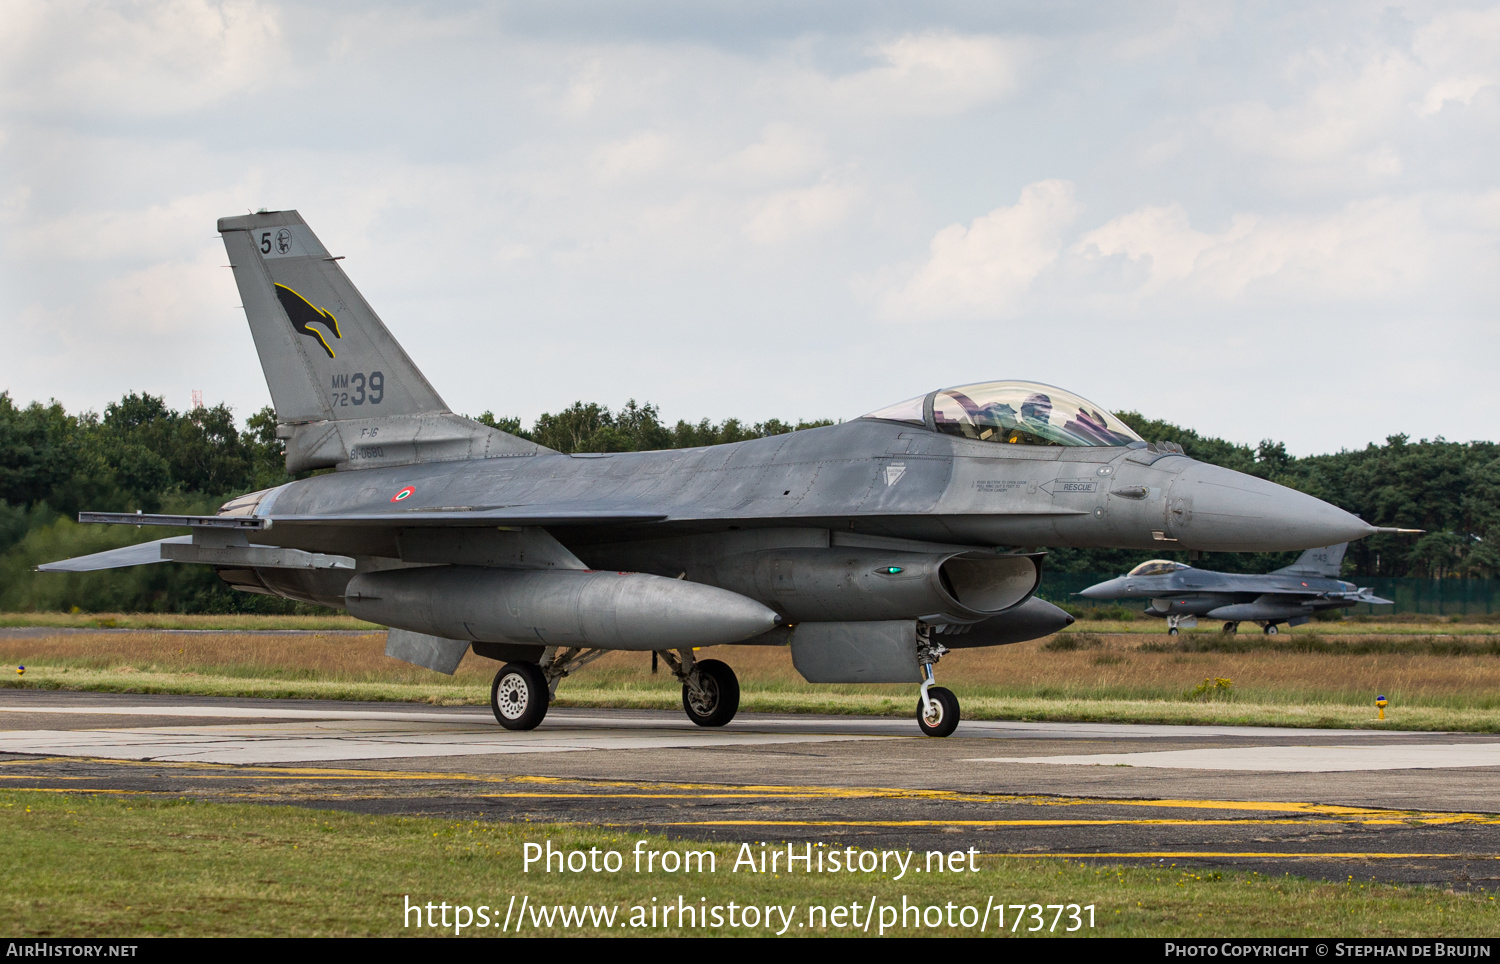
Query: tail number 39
x,y
358,388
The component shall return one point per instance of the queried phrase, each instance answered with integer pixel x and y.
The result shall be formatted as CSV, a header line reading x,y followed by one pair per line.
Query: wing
x,y
456,516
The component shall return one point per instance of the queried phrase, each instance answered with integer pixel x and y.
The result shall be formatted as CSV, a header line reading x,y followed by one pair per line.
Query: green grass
x,y
83,866
1187,708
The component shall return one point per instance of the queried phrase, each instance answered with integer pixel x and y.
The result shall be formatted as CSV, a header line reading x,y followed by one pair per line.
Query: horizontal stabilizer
x,y
141,554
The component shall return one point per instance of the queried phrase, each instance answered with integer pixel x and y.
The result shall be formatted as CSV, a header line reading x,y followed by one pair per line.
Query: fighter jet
x,y
871,547
1180,594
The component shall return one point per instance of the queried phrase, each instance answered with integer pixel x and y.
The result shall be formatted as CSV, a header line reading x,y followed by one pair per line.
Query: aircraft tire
x,y
1172,631
519,696
1231,627
1271,630
723,689
945,721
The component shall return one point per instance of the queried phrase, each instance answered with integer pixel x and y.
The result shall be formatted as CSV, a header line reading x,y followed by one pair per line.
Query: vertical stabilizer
x,y
345,392
1318,562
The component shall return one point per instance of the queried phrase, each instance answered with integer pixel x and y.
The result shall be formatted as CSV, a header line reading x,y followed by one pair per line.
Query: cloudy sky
x,y
1258,220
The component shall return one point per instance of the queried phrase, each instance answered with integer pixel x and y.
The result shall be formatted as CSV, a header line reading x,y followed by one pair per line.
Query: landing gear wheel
x,y
1231,627
718,696
1172,631
519,696
1271,630
939,717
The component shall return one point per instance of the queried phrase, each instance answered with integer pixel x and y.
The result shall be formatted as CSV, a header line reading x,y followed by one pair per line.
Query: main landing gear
x,y
710,690
1270,629
937,708
522,691
1231,627
1172,622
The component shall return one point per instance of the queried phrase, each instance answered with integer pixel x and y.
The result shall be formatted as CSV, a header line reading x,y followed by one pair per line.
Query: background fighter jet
x,y
1291,595
871,547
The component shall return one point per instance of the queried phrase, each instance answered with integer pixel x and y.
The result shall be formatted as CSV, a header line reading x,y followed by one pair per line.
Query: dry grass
x,y
328,620
1127,677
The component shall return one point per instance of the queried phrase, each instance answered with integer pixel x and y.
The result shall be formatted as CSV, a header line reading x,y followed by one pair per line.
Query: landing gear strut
x,y
937,708
710,690
1172,622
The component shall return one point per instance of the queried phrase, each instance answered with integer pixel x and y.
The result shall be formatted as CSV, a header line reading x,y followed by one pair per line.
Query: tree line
x,y
141,454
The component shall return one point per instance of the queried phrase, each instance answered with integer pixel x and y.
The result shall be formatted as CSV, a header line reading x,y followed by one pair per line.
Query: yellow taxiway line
x,y
581,789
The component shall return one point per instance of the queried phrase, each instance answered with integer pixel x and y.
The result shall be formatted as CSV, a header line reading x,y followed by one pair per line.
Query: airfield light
x,y
1380,703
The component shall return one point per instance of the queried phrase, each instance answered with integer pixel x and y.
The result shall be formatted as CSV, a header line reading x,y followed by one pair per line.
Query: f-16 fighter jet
x,y
1180,594
871,547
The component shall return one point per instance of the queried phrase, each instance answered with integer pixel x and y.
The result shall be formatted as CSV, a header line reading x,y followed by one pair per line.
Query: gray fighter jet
x,y
1180,594
871,547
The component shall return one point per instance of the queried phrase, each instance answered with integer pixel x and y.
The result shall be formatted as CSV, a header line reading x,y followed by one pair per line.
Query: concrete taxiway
x,y
1328,803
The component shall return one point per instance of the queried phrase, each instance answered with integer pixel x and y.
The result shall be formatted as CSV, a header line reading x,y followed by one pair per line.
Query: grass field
x,y
1091,619
1433,682
181,621
82,866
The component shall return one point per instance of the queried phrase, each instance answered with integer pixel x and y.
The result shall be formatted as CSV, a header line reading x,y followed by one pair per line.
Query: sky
x,y
1257,220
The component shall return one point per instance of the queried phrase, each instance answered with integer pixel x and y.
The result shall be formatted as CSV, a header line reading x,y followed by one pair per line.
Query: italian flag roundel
x,y
404,494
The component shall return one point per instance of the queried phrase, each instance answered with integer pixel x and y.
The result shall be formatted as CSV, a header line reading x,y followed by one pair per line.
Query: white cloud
x,y
1366,250
934,73
985,268
781,215
147,58
1461,50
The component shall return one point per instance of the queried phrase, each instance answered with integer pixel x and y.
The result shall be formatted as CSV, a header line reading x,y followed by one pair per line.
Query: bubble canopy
x,y
1018,413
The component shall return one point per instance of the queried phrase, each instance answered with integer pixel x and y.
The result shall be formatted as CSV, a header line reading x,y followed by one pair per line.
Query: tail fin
x,y
1318,562
345,393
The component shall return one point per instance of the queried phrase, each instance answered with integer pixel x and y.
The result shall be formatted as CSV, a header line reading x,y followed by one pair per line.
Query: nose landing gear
x,y
937,707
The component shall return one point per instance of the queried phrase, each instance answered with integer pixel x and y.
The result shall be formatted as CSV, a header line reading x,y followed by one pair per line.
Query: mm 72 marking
x,y
351,389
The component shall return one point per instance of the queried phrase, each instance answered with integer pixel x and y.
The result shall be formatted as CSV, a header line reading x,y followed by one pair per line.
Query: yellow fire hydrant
x,y
1380,702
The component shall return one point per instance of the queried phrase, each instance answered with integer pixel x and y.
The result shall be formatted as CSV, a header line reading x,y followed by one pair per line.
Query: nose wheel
x,y
937,715
937,707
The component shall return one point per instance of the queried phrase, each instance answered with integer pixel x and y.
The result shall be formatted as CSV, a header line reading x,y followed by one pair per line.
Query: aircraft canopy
x,y
1019,413
1156,567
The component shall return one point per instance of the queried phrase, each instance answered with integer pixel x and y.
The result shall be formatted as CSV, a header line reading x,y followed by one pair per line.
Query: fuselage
x,y
867,478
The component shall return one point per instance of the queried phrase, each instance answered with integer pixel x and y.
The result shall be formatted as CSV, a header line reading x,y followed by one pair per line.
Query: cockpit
x,y
1156,567
1018,413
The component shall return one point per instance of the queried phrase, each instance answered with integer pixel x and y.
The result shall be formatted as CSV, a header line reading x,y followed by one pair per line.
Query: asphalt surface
x,y
1414,807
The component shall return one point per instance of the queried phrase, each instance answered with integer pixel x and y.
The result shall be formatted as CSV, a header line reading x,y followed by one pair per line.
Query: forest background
x,y
140,454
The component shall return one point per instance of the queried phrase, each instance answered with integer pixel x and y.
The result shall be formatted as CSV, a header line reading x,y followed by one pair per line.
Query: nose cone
x,y
1109,589
1213,508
